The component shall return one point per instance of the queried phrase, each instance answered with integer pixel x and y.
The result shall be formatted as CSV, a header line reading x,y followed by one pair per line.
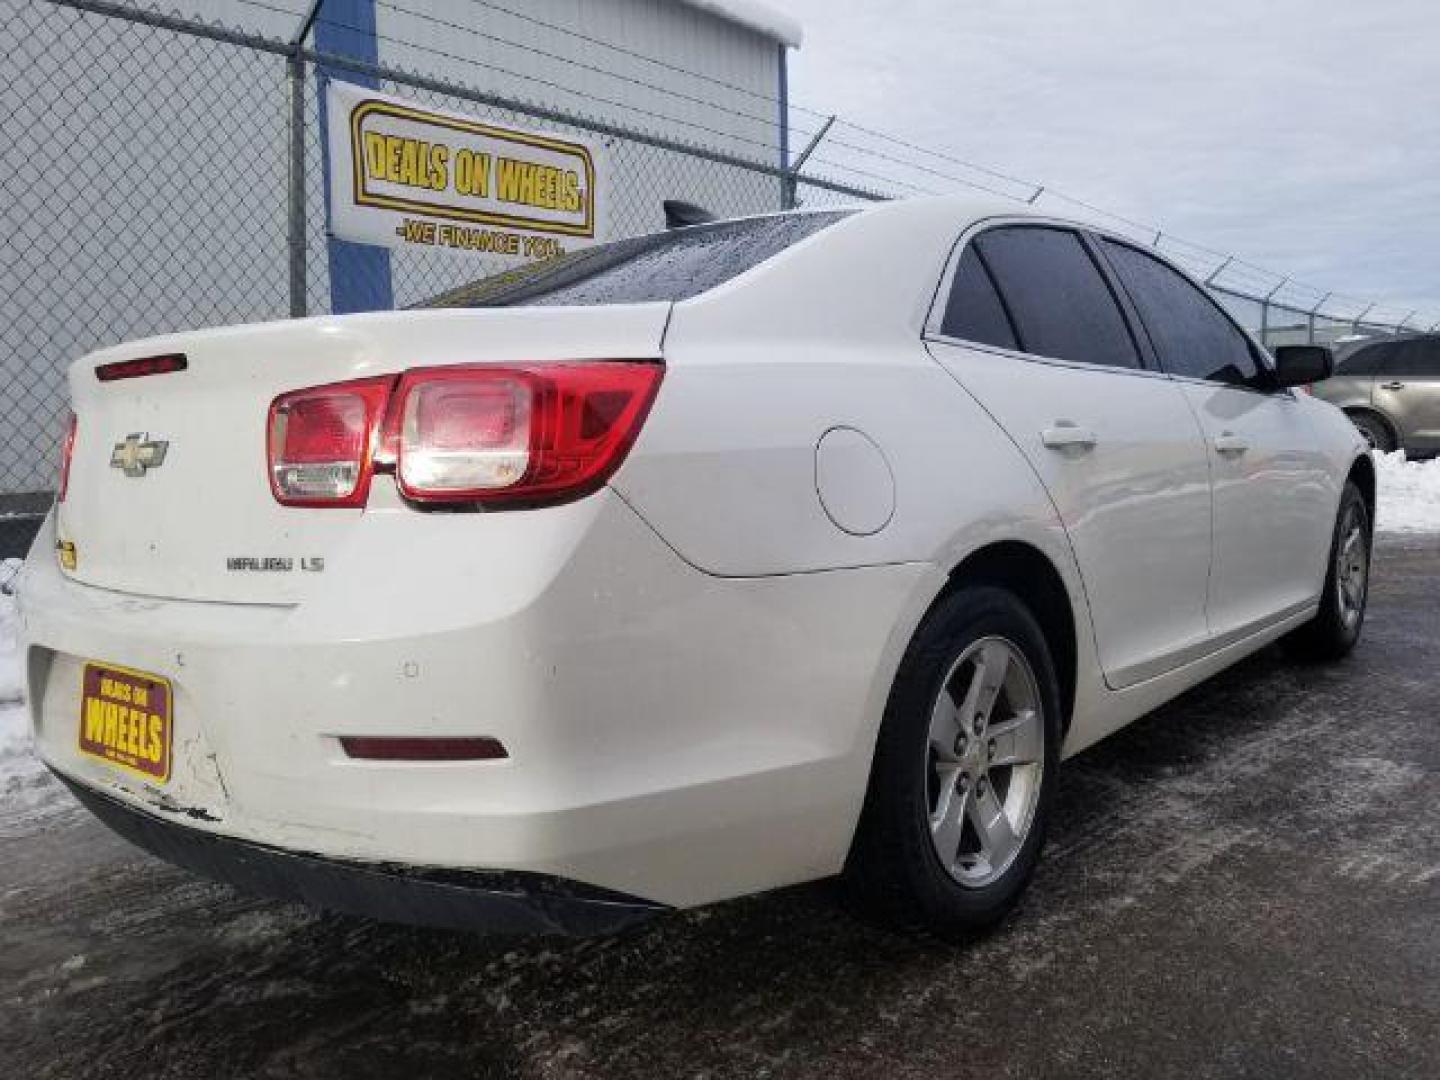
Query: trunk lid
x,y
202,524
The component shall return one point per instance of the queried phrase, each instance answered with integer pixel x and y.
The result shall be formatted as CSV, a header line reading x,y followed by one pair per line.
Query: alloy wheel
x,y
984,761
1352,568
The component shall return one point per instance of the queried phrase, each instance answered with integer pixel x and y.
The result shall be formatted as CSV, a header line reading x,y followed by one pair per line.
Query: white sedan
x,y
683,567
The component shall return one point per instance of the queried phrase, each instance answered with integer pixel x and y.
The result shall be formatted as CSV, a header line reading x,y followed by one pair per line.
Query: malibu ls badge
x,y
273,563
137,453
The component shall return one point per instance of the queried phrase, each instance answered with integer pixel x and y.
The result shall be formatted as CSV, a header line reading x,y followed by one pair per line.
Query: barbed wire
x,y
1224,271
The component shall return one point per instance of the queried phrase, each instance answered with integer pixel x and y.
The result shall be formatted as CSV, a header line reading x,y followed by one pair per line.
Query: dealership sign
x,y
421,178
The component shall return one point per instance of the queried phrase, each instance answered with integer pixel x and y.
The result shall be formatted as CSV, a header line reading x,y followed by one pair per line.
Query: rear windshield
x,y
662,266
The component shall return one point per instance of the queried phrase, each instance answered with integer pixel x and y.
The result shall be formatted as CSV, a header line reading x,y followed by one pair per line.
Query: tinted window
x,y
1060,304
1190,333
1365,360
973,311
1418,357
672,265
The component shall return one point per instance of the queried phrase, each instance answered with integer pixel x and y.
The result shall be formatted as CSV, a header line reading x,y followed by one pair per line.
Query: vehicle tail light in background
x,y
412,748
322,442
67,451
146,365
535,433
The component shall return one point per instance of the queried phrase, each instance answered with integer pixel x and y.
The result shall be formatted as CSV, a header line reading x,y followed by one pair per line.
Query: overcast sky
x,y
1303,135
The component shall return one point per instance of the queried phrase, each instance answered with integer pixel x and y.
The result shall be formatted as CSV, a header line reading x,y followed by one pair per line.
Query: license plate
x,y
125,719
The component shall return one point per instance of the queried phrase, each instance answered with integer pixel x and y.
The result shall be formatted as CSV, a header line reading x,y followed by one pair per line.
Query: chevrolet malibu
x,y
678,568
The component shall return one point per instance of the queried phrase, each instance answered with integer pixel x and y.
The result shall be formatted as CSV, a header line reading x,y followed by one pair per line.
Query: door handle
x,y
1392,385
1066,434
1227,442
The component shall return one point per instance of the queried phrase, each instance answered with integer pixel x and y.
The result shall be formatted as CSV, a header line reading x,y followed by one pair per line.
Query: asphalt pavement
x,y
1244,884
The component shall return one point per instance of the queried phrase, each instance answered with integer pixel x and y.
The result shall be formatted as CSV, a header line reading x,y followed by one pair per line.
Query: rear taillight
x,y
322,441
528,434
67,451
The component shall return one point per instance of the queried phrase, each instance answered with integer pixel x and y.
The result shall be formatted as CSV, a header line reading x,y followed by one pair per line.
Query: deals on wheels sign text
x,y
409,177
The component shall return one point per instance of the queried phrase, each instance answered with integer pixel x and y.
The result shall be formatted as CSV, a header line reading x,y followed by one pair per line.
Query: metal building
x,y
146,180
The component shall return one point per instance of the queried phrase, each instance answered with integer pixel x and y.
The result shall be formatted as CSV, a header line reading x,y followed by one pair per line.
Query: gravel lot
x,y
1246,883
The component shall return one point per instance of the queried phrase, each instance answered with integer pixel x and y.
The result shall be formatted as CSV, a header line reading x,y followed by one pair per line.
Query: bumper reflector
x,y
410,748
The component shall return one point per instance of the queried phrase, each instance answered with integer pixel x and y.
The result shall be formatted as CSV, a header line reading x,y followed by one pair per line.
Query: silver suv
x,y
1391,389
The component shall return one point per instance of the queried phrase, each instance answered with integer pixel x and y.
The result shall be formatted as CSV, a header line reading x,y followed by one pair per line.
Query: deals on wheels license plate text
x,y
125,719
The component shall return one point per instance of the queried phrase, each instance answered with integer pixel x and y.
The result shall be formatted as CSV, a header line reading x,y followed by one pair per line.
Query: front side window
x,y
1366,360
1416,358
1190,333
973,311
668,266
1059,303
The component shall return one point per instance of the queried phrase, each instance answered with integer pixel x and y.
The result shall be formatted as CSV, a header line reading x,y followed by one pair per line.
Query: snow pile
x,y
1409,496
29,795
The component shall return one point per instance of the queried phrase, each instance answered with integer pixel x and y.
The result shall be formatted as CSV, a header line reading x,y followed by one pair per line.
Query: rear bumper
x,y
495,902
671,735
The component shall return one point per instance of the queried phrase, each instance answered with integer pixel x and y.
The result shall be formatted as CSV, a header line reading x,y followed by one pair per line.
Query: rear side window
x,y
974,311
668,266
1190,333
1416,358
1366,360
1060,305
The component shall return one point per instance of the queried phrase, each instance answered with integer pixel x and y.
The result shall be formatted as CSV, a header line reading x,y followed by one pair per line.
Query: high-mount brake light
x,y
489,435
145,365
67,452
321,442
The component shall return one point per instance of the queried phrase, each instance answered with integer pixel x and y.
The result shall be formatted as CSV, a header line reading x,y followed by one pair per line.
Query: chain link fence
x,y
157,176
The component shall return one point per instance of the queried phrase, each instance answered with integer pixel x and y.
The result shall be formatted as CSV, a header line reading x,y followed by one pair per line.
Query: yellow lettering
x,y
94,720
137,732
157,745
508,180
376,155
439,167
472,173
112,719
393,148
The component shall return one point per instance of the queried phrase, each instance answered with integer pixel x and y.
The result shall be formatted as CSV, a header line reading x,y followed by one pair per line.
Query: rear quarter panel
x,y
827,335
830,336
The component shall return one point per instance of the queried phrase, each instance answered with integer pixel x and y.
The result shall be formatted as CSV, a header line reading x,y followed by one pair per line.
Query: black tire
x,y
1376,431
1336,627
893,872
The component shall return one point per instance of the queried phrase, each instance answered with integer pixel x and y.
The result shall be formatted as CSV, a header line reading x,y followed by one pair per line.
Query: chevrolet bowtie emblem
x,y
137,453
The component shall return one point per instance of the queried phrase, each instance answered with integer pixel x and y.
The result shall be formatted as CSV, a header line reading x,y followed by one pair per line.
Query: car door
x,y
1273,497
1408,391
1029,325
1350,386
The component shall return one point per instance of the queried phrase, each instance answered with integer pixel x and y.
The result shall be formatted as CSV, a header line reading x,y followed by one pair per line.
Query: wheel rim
x,y
1352,569
984,761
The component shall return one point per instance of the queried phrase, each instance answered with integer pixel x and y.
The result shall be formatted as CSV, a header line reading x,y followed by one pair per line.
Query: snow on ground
x,y
1409,498
1409,503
